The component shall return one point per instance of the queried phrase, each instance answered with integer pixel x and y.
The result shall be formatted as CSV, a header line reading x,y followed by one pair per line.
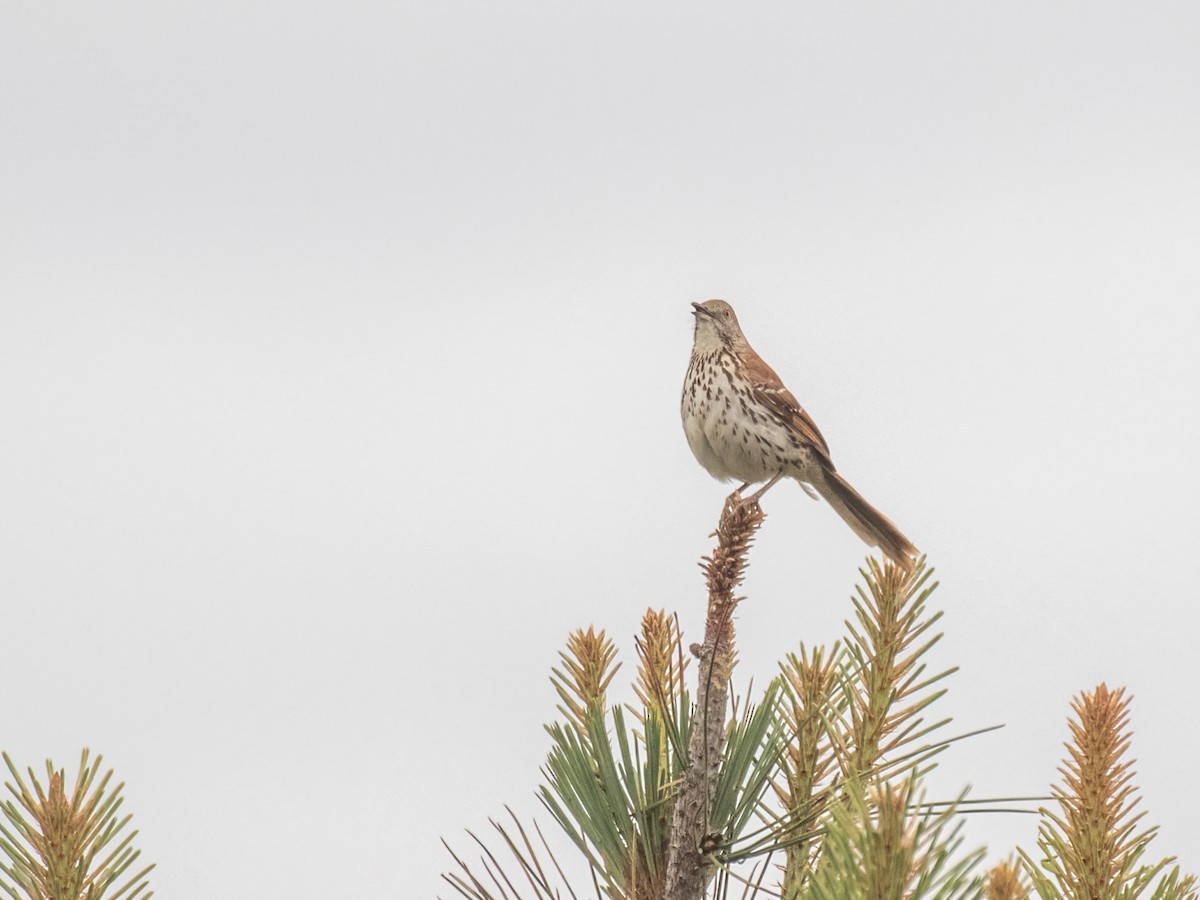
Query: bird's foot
x,y
753,498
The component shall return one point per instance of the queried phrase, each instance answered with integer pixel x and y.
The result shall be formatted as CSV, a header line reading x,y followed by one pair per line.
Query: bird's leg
x,y
738,492
762,490
737,495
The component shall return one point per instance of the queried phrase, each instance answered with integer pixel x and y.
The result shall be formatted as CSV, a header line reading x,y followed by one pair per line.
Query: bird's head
x,y
716,322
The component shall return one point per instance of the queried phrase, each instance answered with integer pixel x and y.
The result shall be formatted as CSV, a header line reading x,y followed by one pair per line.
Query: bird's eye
x,y
725,314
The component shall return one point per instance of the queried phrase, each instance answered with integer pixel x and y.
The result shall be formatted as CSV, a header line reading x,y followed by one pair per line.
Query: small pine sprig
x,y
1004,882
608,786
68,847
809,702
665,712
1091,847
887,684
809,684
879,844
587,670
661,665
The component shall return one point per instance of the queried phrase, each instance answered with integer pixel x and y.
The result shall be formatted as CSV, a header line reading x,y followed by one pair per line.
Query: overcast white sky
x,y
340,354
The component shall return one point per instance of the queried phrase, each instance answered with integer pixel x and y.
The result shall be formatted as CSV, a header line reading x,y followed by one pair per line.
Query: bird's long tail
x,y
865,520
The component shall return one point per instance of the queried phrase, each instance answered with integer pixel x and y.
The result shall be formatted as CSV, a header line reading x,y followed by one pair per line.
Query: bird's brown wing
x,y
767,388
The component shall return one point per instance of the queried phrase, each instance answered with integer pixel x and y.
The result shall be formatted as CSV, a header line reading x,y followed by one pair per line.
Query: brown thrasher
x,y
741,422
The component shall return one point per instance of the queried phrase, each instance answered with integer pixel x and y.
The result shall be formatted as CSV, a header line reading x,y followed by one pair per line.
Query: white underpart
x,y
723,435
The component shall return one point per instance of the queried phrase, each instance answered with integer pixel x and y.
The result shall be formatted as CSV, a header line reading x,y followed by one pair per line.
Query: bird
x,y
742,423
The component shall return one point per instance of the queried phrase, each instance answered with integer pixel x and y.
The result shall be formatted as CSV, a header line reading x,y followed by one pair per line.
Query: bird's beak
x,y
698,310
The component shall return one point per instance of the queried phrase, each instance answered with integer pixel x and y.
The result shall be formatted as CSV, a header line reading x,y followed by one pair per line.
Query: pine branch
x,y
1092,847
1004,882
68,847
688,866
808,682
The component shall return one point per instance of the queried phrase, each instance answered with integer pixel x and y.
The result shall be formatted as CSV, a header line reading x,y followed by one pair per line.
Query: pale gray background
x,y
340,354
